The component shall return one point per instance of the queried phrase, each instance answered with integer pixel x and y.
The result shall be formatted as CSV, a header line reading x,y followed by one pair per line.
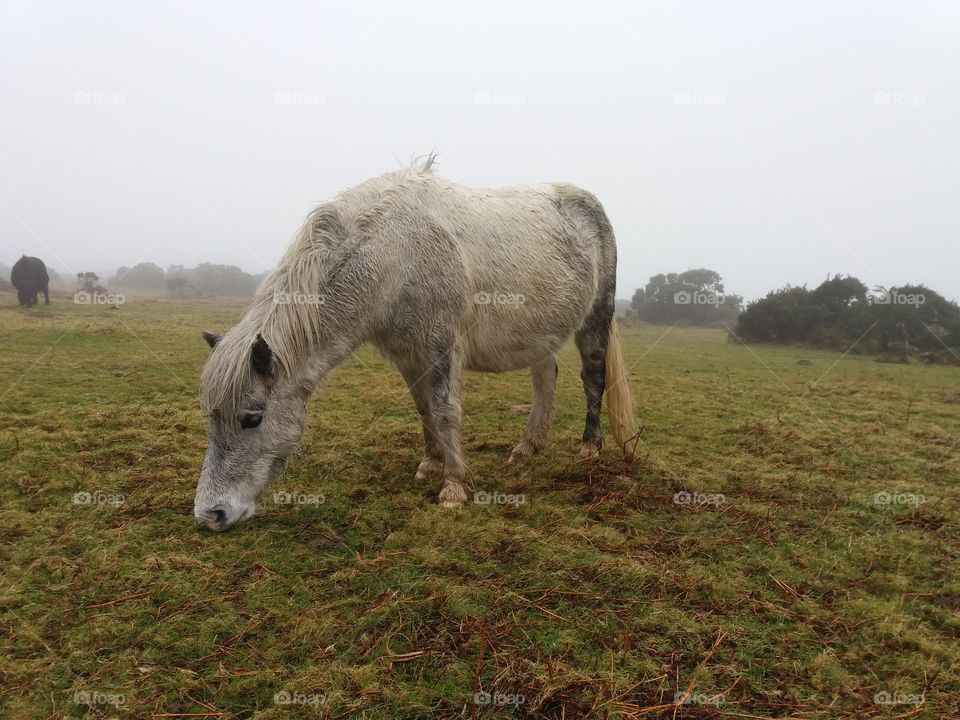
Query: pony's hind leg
x,y
544,378
591,340
416,377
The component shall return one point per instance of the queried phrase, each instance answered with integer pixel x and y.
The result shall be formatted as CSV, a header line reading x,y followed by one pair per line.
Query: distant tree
x,y
914,314
89,281
179,285
144,275
838,294
227,280
788,314
212,279
204,279
695,296
842,313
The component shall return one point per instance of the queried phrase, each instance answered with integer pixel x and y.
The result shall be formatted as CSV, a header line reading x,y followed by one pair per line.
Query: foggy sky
x,y
773,142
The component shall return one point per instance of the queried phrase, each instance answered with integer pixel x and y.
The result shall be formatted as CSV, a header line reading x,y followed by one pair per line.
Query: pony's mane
x,y
288,308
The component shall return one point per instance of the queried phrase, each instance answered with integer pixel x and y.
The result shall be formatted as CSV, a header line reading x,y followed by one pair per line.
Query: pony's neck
x,y
311,331
324,358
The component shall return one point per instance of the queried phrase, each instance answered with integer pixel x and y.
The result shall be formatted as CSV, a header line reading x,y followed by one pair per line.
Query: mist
x,y
773,143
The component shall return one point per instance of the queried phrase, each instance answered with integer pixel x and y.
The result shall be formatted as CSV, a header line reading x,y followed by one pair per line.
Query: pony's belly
x,y
511,358
502,348
501,337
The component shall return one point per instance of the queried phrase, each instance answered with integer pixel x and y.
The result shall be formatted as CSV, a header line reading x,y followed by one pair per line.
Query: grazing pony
x,y
440,278
29,276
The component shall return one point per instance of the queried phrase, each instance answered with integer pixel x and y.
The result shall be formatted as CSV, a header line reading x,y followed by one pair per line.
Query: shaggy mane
x,y
288,309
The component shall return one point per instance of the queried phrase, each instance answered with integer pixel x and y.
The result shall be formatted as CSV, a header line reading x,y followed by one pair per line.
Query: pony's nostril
x,y
214,517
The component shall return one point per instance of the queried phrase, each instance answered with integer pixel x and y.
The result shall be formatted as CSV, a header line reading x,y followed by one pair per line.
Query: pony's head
x,y
255,417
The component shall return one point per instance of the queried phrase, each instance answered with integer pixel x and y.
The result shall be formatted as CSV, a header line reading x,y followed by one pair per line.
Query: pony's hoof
x,y
426,468
526,449
589,450
520,453
453,495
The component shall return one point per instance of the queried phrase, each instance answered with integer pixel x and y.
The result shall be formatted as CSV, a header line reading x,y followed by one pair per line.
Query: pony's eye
x,y
250,421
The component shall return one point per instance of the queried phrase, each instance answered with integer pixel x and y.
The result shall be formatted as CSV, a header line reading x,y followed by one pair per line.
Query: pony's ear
x,y
261,357
212,338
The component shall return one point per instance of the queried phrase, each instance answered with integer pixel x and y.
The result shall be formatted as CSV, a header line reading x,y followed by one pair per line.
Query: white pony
x,y
440,278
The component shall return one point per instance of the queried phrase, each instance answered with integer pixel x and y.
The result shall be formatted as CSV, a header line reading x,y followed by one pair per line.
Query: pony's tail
x,y
620,409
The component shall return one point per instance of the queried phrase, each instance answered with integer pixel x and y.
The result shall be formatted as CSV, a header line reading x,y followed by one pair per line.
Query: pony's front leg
x,y
418,382
445,373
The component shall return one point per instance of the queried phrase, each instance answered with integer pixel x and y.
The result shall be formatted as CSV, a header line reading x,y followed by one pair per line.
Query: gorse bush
x,y
842,312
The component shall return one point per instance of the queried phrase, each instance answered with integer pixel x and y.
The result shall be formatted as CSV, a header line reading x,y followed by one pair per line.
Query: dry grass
x,y
600,596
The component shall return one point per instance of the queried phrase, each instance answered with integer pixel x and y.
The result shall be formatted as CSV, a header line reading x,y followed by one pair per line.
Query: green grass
x,y
798,596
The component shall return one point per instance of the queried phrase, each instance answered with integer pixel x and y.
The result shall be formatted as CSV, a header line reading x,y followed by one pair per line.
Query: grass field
x,y
799,593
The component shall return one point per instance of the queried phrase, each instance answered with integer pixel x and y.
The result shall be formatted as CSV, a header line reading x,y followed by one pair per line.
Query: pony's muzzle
x,y
221,517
